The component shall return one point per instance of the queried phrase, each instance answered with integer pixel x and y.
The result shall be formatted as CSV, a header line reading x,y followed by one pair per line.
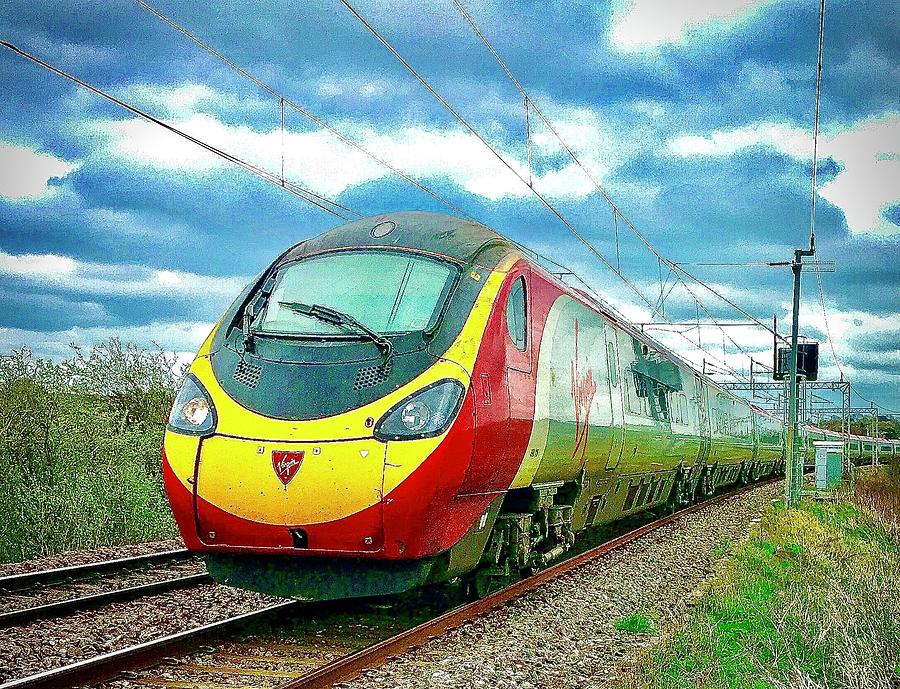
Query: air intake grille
x,y
247,374
372,375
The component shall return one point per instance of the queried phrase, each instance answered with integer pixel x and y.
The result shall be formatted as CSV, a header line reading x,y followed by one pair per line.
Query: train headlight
x,y
193,411
424,414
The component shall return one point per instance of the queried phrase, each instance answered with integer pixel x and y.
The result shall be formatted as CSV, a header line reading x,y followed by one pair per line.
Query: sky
x,y
695,117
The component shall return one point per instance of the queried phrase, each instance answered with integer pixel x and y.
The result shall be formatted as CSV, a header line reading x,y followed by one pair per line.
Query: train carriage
x,y
410,398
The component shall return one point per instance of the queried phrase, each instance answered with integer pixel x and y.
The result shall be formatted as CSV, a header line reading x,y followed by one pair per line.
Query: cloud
x,y
868,153
359,87
867,185
785,138
26,174
858,338
317,160
45,266
185,99
63,272
640,25
182,337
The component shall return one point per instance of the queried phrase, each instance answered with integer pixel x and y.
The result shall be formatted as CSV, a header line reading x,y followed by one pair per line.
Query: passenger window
x,y
516,315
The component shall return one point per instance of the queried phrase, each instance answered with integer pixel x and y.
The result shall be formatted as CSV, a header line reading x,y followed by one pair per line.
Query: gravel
x,y
560,635
48,644
107,582
83,557
563,634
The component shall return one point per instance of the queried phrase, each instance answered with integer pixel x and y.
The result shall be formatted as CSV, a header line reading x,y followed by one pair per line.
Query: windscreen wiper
x,y
252,310
343,320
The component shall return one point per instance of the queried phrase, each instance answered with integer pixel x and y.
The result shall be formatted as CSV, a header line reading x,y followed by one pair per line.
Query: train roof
x,y
433,233
461,240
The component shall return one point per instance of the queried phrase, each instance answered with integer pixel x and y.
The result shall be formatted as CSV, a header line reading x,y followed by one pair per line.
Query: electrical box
x,y
807,361
829,463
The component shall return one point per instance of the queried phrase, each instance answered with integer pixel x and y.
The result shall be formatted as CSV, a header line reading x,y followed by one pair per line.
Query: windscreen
x,y
390,292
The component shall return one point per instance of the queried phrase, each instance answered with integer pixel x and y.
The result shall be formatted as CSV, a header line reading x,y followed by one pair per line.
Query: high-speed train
x,y
858,449
410,398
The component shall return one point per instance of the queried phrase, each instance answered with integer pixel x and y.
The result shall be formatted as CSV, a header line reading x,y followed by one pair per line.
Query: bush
x,y
80,448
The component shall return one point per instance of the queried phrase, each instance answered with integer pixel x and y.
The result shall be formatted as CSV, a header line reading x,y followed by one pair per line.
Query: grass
x,y
80,449
879,493
635,624
811,599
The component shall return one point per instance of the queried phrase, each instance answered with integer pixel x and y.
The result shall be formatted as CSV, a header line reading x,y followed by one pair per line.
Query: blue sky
x,y
695,116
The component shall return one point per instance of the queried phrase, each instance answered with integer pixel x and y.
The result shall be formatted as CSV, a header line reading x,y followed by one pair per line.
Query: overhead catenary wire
x,y
283,100
815,164
602,191
465,123
305,112
306,195
661,259
318,200
873,402
617,212
545,202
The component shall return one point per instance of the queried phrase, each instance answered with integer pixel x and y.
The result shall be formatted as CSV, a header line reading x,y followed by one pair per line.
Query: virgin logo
x,y
583,391
286,464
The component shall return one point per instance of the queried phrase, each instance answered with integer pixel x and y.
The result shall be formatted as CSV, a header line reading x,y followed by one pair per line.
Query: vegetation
x,y
811,599
80,449
635,624
879,494
864,425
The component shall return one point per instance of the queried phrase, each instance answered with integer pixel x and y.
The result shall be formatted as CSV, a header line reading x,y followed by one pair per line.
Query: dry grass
x,y
878,492
810,600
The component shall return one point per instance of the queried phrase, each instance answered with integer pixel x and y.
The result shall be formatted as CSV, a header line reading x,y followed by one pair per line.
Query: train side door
x,y
704,427
519,362
504,405
617,426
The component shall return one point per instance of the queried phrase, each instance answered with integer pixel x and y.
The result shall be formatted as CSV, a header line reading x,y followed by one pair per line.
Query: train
x,y
858,449
412,399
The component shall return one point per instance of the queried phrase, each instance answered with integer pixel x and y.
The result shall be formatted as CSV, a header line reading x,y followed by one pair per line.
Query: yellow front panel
x,y
334,480
181,451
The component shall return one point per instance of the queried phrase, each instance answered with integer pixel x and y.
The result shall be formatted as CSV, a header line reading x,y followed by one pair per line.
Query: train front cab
x,y
341,503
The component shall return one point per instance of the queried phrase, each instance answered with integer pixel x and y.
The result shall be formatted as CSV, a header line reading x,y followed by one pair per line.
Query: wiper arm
x,y
343,320
252,310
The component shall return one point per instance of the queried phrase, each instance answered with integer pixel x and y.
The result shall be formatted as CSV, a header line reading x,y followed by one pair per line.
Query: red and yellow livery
x,y
410,398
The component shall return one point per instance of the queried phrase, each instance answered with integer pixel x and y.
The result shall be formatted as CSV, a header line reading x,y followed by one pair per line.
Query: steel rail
x,y
57,608
350,666
101,668
46,577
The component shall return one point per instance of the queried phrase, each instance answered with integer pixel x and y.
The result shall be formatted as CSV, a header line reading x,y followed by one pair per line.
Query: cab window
x,y
516,315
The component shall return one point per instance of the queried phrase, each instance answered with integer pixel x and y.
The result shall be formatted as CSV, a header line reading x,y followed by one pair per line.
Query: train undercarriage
x,y
537,525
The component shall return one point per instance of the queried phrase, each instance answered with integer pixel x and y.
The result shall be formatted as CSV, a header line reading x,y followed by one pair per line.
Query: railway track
x,y
334,654
57,592
350,666
60,575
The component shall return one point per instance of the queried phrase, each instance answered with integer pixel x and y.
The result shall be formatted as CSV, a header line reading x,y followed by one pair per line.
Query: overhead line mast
x,y
793,480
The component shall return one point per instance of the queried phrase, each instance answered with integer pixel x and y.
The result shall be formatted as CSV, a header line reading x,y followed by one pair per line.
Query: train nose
x,y
296,496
